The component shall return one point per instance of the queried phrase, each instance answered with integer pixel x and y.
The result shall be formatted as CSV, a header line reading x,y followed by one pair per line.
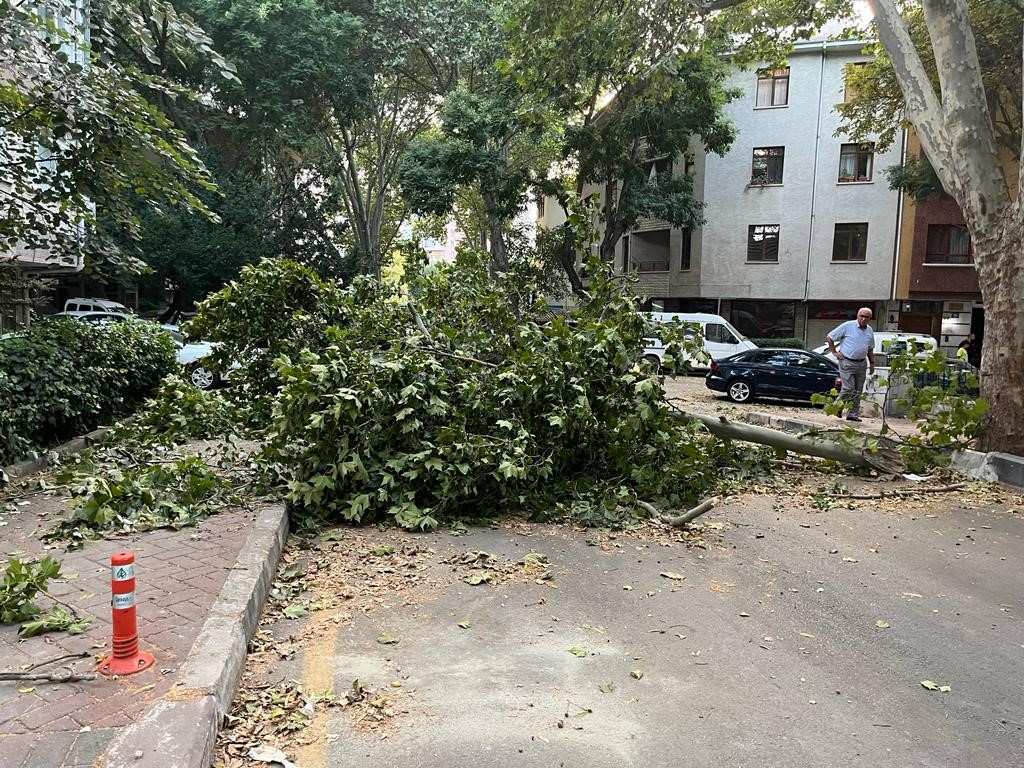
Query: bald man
x,y
853,344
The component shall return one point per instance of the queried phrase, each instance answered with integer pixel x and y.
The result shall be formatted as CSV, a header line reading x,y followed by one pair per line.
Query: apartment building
x,y
801,226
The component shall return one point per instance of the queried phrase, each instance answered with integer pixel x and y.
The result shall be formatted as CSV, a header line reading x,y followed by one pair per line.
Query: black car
x,y
793,374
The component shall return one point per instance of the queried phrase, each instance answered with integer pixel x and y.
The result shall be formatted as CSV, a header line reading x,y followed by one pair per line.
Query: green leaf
x,y
636,674
606,688
386,638
464,624
931,686
295,611
882,624
577,651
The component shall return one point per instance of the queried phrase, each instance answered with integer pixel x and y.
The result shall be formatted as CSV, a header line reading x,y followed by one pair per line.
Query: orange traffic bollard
x,y
126,658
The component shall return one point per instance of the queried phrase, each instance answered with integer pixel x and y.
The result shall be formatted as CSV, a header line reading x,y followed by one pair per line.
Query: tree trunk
x,y
495,230
1001,277
567,258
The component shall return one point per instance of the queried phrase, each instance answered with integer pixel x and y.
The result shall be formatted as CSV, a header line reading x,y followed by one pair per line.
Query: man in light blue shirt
x,y
855,353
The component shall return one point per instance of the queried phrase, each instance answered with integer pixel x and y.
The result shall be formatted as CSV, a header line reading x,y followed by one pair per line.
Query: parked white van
x,y
96,305
721,339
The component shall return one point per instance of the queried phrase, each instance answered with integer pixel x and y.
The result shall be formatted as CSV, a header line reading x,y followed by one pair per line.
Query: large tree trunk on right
x,y
1000,258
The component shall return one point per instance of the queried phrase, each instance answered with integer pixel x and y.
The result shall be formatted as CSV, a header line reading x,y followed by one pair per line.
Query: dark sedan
x,y
792,374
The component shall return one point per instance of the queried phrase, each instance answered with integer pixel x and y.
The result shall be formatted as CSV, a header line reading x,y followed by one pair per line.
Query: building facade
x,y
801,227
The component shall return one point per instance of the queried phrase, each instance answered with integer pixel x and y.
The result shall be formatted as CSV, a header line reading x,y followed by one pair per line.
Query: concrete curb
x,y
180,731
994,467
74,445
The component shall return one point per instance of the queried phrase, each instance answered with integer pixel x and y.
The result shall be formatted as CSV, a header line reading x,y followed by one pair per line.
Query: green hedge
x,y
789,343
64,377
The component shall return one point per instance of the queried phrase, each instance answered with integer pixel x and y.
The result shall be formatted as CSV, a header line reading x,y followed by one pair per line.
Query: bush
x,y
65,377
276,307
791,342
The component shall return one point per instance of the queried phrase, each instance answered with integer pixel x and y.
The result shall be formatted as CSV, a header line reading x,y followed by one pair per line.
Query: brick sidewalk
x,y
179,576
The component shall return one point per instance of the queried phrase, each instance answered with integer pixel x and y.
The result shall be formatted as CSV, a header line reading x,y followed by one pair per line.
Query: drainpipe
x,y
814,186
899,227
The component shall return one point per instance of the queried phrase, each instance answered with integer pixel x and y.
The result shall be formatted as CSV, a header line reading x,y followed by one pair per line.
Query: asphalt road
x,y
761,649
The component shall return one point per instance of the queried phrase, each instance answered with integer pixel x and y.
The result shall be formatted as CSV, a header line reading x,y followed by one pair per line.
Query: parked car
x,y
720,338
192,355
93,318
791,374
892,343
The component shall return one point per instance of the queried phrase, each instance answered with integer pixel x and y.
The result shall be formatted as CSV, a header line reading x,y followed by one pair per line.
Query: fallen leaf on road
x,y
806,634
577,651
480,578
465,624
296,611
850,560
673,575
272,755
637,674
744,614
606,688
386,638
882,624
717,586
932,686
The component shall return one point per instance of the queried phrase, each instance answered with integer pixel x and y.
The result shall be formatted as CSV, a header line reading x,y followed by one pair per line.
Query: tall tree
x,y
961,140
84,133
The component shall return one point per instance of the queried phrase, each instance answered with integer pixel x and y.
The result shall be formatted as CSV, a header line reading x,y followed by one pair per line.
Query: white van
x,y
721,339
892,343
96,305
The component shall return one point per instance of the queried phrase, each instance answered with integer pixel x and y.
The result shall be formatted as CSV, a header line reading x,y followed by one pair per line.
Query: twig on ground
x,y
55,659
51,677
897,492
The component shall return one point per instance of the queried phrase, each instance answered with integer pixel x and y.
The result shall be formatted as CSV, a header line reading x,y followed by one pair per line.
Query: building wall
x,y
808,203
936,280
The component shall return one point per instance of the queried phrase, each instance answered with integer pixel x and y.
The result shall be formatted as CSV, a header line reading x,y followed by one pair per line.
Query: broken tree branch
x,y
678,521
805,444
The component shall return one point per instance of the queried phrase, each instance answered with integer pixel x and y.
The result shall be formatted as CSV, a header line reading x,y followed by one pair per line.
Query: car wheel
x,y
740,391
202,377
654,361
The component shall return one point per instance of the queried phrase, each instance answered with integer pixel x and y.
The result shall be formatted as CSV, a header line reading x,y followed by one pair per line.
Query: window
x,y
719,334
767,165
772,88
850,242
763,242
653,167
764,319
625,253
850,72
948,245
684,251
856,162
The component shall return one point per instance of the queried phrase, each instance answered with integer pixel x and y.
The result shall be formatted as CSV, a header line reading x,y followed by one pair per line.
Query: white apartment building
x,y
801,226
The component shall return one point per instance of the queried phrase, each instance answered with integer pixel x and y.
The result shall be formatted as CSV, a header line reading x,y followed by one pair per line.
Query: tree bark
x,y
1002,364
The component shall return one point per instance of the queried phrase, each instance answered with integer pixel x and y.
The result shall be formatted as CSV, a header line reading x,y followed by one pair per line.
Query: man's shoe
x,y
853,418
